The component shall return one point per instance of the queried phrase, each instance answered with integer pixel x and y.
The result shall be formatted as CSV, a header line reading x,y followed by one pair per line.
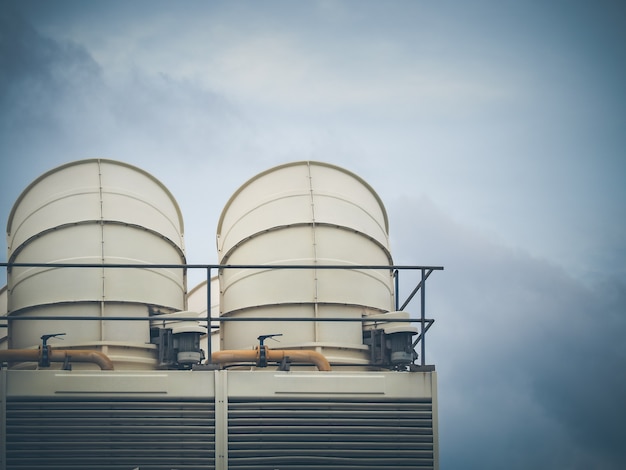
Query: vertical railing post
x,y
396,288
423,315
3,417
209,328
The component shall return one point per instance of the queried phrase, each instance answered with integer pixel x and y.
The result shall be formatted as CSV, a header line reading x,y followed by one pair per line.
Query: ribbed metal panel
x,y
110,434
314,434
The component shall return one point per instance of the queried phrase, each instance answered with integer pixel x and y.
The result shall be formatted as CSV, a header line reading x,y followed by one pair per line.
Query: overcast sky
x,y
494,131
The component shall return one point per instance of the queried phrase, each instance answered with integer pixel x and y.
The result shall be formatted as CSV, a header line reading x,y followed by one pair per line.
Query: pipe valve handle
x,y
264,337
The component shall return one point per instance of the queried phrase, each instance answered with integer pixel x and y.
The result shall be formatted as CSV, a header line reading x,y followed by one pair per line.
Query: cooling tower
x,y
304,213
197,300
95,212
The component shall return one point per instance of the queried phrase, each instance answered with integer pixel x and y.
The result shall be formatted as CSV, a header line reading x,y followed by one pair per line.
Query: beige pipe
x,y
274,355
299,356
57,355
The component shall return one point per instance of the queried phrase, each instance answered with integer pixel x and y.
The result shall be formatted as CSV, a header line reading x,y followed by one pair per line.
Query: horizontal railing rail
x,y
211,321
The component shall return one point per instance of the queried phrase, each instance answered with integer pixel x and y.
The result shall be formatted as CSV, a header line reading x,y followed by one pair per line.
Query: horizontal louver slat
x,y
342,435
59,434
263,434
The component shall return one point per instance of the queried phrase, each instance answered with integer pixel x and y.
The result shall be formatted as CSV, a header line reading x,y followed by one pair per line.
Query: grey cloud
x,y
38,73
58,106
45,90
580,363
168,110
530,359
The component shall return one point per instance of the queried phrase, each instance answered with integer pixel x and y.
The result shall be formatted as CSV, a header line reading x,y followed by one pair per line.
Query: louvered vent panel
x,y
340,435
111,434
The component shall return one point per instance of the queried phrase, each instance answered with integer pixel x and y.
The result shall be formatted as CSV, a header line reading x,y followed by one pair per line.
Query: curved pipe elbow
x,y
82,355
58,355
276,355
302,356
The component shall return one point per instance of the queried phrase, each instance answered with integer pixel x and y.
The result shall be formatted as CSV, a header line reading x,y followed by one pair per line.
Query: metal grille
x,y
110,434
299,435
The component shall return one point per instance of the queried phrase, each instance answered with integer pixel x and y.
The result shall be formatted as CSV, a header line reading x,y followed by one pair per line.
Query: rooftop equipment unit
x,y
378,412
304,213
95,212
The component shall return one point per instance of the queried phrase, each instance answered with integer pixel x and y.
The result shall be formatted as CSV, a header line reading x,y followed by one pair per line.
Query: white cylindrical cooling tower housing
x,y
197,301
304,213
95,211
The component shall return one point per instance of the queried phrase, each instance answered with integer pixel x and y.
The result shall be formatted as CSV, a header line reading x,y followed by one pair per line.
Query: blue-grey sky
x,y
494,132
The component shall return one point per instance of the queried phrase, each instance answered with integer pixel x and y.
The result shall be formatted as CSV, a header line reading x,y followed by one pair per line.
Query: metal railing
x,y
213,322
